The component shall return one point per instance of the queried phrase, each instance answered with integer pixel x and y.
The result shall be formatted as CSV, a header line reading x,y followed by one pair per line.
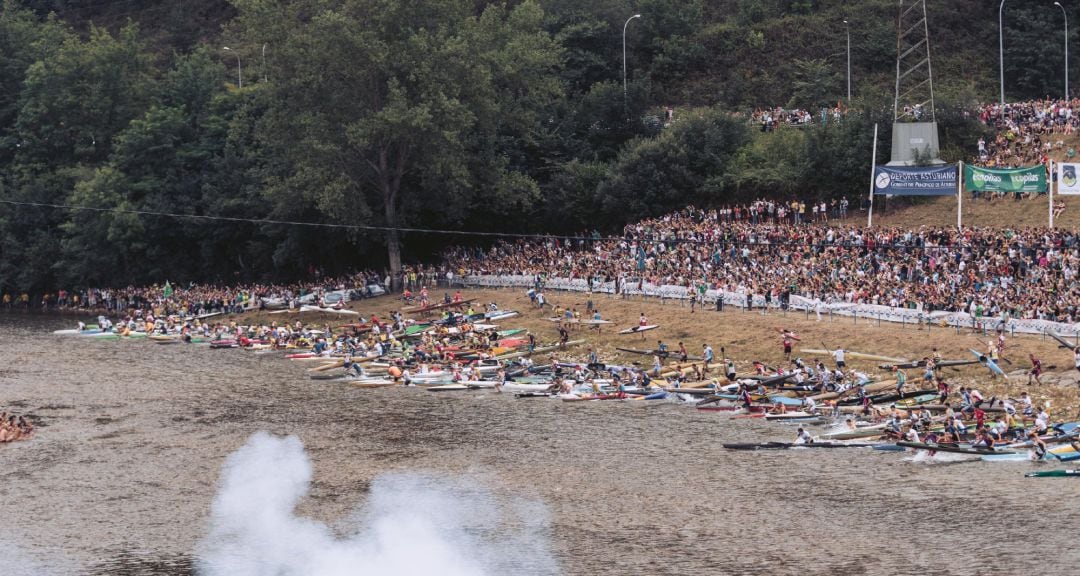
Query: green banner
x,y
1031,179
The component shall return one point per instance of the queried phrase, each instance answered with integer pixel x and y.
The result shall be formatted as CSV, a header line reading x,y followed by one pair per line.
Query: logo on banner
x,y
883,180
1068,175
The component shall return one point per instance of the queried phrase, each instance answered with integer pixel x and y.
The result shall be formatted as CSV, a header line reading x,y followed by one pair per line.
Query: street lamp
x,y
239,76
1066,15
1001,51
624,54
847,28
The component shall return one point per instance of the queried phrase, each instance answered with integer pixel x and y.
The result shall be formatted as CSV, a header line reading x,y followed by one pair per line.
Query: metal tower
x,y
915,138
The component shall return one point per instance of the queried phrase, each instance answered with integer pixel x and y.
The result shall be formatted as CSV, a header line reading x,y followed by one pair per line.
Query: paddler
x,y
803,437
729,369
901,380
643,321
838,356
786,340
1036,370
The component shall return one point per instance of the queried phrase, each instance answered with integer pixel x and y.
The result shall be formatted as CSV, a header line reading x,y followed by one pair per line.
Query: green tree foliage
x,y
449,114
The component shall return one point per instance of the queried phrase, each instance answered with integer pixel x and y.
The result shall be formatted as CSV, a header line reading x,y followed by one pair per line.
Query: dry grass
x,y
747,337
1000,213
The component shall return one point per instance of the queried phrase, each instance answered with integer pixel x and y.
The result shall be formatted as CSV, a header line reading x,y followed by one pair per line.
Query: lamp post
x,y
1001,51
847,28
1066,15
239,76
264,62
624,54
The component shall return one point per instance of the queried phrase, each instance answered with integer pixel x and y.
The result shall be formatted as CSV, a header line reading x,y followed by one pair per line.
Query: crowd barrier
x,y
638,287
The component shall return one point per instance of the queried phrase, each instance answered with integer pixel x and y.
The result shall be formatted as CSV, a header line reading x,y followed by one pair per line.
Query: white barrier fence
x,y
638,287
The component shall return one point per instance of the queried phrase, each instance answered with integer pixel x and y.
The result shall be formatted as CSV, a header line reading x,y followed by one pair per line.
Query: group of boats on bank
x,y
463,349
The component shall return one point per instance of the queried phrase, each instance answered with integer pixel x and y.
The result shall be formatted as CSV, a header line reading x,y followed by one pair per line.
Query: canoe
x,y
853,355
500,315
538,350
922,363
663,354
863,432
1053,474
787,445
955,449
338,311
637,329
582,322
790,416
986,361
1016,457
439,306
1061,341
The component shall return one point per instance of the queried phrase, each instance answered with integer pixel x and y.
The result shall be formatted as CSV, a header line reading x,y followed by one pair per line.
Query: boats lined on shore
x,y
467,351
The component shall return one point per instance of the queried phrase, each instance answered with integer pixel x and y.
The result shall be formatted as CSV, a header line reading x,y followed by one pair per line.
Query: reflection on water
x,y
122,476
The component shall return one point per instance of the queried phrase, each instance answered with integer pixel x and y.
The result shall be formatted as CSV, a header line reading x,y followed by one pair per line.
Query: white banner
x,y
1068,179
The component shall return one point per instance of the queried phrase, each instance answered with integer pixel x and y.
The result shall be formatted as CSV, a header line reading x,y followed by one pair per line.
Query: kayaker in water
x,y
803,437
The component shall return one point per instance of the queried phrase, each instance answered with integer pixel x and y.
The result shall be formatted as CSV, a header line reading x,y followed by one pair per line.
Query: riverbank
x,y
749,336
122,473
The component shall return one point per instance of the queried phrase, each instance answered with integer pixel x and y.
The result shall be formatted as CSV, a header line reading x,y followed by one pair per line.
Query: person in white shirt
x,y
803,437
1042,421
912,435
838,355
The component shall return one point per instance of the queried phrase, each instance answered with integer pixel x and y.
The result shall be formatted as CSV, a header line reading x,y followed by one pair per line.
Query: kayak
x,y
787,445
854,355
1052,474
955,449
637,329
986,361
1015,457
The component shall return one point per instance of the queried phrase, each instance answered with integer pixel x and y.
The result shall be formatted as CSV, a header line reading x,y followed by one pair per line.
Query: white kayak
x,y
637,329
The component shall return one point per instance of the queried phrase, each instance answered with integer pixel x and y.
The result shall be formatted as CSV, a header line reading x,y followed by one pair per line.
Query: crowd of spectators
x,y
1026,133
1027,273
769,119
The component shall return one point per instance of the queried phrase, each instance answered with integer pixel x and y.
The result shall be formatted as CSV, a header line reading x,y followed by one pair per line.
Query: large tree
x,y
391,110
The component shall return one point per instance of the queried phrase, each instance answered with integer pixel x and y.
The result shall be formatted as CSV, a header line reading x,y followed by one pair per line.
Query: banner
x,y
1068,178
1031,179
915,180
636,286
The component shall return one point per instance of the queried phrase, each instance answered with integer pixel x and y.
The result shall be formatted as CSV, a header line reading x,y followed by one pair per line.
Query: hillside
x,y
992,212
254,141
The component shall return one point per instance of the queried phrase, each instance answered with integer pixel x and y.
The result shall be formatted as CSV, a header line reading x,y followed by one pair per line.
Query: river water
x,y
122,475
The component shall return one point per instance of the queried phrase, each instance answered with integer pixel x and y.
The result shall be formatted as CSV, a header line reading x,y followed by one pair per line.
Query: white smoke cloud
x,y
411,525
15,559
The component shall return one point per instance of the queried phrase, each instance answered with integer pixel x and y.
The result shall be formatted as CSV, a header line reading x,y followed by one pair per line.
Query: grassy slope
x,y
1001,213
752,336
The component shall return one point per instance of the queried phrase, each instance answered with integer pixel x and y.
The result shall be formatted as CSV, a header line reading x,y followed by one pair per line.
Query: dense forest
x,y
441,114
